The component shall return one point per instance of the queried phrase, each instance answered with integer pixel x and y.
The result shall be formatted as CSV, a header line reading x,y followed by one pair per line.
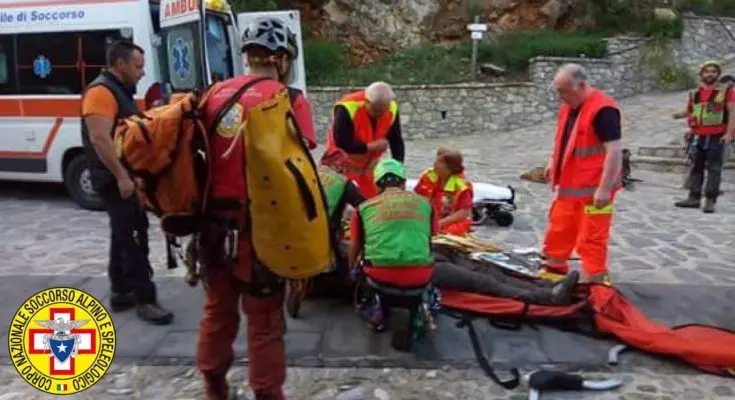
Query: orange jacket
x,y
355,104
584,158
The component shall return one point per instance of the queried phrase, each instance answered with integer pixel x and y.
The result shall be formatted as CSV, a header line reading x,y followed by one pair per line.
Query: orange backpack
x,y
162,146
167,148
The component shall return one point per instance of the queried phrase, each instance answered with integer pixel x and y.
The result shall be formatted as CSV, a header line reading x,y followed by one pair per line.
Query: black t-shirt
x,y
344,135
607,128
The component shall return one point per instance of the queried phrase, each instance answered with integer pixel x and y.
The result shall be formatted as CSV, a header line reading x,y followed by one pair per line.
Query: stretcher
x,y
490,202
708,348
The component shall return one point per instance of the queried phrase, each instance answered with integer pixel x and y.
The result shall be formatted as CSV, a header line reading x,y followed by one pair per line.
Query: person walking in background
x,y
107,99
711,117
364,125
585,173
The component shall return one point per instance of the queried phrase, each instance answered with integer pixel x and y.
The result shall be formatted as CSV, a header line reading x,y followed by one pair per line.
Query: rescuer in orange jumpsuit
x,y
364,125
233,279
585,174
449,192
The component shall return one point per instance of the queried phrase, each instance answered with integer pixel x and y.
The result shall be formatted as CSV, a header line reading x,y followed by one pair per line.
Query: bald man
x,y
585,173
364,125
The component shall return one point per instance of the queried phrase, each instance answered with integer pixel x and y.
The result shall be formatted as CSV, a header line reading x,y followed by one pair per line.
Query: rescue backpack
x,y
288,217
168,149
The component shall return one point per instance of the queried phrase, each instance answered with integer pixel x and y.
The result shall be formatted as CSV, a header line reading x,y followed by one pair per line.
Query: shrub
x,y
671,29
514,49
323,61
326,62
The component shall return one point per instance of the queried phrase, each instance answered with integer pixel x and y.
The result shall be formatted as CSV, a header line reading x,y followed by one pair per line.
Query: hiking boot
x,y
122,301
562,292
709,206
691,202
155,314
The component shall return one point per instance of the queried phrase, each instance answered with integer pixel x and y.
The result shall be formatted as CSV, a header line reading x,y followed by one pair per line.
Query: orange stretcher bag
x,y
601,311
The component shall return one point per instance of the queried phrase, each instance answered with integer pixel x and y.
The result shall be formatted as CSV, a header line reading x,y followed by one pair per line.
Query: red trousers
x,y
265,330
574,224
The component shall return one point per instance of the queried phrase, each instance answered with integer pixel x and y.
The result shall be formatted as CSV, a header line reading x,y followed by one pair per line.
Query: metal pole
x,y
473,72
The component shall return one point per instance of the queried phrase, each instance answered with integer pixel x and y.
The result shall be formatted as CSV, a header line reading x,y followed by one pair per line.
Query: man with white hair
x,y
364,125
585,173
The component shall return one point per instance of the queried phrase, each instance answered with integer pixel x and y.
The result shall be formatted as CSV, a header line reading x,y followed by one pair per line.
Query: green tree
x,y
257,5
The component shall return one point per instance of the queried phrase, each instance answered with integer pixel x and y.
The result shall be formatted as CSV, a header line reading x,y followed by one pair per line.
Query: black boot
x,y
562,293
155,314
709,206
122,301
691,202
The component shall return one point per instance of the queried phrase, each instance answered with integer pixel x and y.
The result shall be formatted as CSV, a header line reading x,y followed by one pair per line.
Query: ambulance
x,y
50,50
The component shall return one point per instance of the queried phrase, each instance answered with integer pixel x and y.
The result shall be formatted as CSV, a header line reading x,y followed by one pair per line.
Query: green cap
x,y
389,166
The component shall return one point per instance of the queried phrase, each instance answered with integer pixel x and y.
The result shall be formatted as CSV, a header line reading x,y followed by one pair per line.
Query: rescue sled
x,y
490,202
600,310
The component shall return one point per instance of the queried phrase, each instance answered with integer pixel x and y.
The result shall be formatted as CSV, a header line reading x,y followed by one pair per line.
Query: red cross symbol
x,y
87,343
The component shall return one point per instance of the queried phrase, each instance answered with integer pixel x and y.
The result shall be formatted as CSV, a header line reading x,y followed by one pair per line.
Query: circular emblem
x,y
181,55
61,341
230,124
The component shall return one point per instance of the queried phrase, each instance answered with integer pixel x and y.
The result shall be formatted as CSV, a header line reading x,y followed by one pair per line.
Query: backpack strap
x,y
294,94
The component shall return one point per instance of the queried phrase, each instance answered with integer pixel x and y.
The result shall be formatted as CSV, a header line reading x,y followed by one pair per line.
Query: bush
x,y
256,5
665,28
326,62
323,60
514,49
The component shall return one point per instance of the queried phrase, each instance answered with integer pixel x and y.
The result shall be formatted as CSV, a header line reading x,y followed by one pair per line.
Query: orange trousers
x,y
574,224
365,183
218,329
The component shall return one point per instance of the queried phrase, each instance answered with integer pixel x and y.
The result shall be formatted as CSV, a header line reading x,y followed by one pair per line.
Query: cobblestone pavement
x,y
183,383
42,233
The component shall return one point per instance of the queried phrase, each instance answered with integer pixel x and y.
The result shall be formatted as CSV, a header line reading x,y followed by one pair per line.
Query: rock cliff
x,y
373,28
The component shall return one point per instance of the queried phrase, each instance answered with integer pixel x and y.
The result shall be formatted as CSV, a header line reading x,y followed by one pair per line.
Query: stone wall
x,y
473,108
706,38
448,110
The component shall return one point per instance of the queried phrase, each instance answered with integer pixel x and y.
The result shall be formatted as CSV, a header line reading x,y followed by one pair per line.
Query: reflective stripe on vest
x,y
333,185
589,151
353,106
397,229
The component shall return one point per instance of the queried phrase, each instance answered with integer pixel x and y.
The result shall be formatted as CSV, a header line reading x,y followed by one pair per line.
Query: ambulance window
x,y
218,48
94,46
47,63
156,17
7,65
183,52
